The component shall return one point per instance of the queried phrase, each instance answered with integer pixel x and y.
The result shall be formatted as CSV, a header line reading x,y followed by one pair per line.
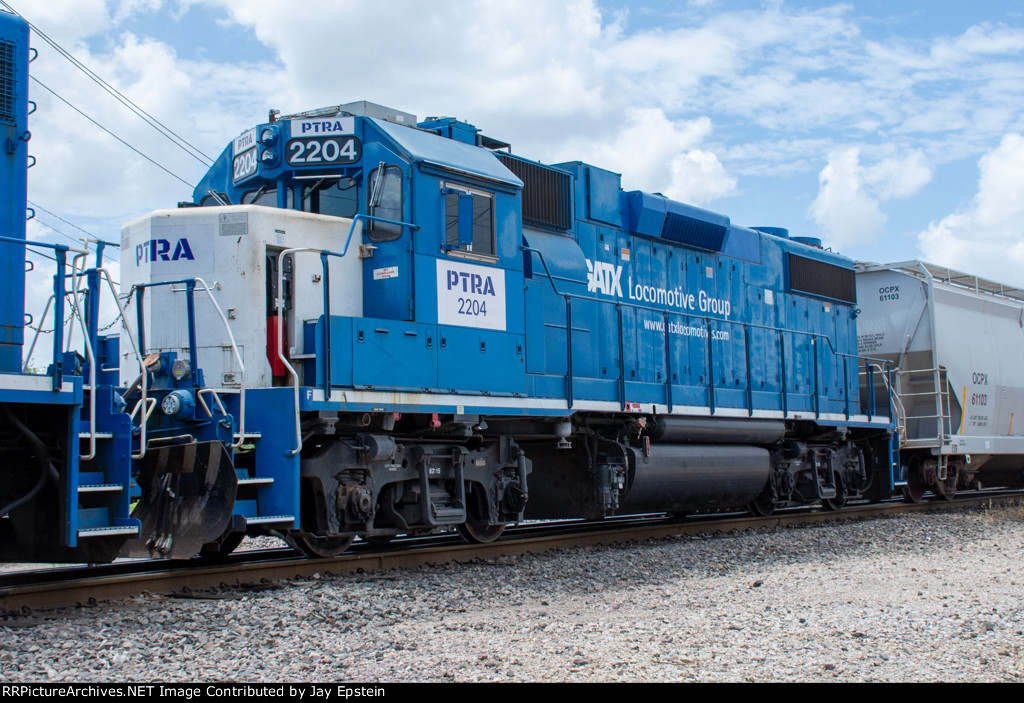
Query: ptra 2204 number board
x,y
327,141
323,151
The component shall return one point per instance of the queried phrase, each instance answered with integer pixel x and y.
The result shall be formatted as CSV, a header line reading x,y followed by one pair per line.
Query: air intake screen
x,y
818,278
689,230
8,82
547,193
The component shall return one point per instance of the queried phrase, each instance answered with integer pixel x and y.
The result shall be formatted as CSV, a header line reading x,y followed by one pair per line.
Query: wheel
x,y
476,532
320,547
839,501
761,507
913,492
477,529
946,489
765,502
224,547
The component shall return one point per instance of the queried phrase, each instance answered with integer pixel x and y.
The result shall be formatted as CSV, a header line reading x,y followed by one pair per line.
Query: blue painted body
x,y
14,136
611,301
586,307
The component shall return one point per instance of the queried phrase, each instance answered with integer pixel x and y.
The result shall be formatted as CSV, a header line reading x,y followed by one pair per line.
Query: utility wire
x,y
78,242
91,236
30,250
149,119
55,94
160,127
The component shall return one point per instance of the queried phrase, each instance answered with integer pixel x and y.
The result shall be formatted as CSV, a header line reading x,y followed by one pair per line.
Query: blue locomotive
x,y
369,325
67,440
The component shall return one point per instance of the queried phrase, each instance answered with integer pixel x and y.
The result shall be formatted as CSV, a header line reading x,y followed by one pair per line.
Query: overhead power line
x,y
153,122
72,224
58,96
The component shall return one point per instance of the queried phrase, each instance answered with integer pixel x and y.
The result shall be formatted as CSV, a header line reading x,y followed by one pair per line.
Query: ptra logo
x,y
471,283
160,250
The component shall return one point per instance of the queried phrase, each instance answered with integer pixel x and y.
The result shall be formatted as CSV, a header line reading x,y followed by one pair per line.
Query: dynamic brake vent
x,y
819,278
547,192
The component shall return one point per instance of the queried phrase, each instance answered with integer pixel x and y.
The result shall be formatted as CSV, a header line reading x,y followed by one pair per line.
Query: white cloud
x,y
541,74
847,206
537,72
66,21
656,154
988,235
782,85
84,172
698,177
899,177
843,210
480,59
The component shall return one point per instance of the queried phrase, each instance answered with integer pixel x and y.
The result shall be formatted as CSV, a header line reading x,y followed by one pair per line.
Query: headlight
x,y
181,369
178,403
268,136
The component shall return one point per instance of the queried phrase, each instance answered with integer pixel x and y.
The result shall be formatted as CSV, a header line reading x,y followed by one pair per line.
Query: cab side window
x,y
384,199
481,219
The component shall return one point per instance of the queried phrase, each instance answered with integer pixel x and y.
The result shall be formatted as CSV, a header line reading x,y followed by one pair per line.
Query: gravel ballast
x,y
923,597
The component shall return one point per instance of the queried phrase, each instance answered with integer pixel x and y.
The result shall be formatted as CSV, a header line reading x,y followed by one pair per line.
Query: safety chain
x,y
74,313
119,314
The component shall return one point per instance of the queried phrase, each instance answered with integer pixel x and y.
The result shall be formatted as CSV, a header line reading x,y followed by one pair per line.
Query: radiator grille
x,y
818,278
8,82
547,193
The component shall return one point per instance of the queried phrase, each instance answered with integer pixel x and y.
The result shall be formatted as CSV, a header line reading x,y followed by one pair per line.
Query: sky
x,y
892,130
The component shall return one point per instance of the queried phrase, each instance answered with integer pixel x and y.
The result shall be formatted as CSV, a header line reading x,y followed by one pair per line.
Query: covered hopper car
x,y
957,343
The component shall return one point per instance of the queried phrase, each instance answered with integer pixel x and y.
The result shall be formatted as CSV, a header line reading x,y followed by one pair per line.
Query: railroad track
x,y
54,587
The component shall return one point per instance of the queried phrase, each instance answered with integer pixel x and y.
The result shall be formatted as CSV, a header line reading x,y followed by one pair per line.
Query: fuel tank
x,y
680,478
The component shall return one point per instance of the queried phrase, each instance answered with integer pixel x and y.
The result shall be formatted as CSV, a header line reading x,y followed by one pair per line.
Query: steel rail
x,y
44,589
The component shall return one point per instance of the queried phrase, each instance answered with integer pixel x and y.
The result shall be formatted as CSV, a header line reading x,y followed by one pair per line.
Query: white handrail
x,y
35,338
144,386
238,358
279,300
76,278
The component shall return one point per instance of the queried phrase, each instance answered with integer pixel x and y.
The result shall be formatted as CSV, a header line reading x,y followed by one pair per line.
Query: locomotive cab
x,y
390,263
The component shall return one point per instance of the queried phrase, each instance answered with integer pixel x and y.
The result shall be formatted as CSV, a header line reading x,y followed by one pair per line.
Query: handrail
x,y
216,397
35,337
238,358
707,320
144,386
79,272
190,285
90,354
60,254
325,254
894,399
279,301
938,376
371,218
